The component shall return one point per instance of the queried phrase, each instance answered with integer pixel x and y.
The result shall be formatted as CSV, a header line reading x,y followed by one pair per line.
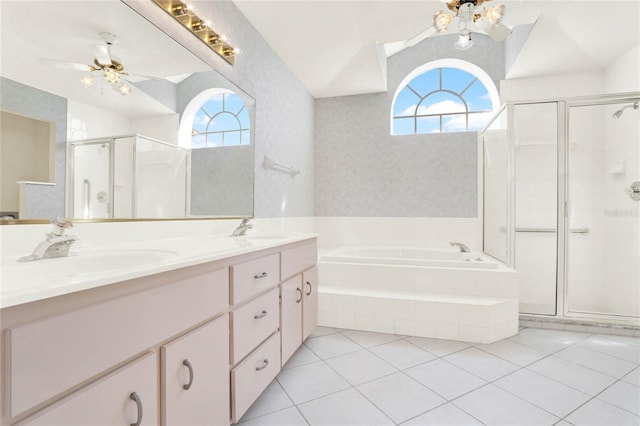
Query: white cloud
x,y
459,122
443,107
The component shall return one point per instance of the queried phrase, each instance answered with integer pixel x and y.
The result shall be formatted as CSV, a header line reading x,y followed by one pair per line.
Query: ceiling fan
x,y
111,67
470,19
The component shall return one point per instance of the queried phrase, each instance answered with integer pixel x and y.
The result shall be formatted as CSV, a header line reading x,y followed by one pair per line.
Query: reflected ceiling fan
x,y
111,67
471,18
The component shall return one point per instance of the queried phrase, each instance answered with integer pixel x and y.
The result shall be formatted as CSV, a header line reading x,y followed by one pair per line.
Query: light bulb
x,y
464,41
88,81
494,14
441,21
123,89
111,75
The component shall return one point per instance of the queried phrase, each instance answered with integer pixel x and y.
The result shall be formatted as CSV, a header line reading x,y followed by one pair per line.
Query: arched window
x,y
215,118
447,95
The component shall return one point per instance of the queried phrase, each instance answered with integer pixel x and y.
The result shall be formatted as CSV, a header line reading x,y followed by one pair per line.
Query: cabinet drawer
x,y
253,375
250,278
297,259
254,322
50,356
108,401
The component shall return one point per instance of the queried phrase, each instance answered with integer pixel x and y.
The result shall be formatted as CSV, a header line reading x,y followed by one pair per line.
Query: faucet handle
x,y
60,225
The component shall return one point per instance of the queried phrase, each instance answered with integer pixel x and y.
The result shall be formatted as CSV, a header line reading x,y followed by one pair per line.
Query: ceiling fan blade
x,y
420,36
145,77
499,33
101,53
67,65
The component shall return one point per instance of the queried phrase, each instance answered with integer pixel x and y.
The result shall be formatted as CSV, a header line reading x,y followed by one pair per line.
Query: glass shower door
x,y
91,180
603,235
535,145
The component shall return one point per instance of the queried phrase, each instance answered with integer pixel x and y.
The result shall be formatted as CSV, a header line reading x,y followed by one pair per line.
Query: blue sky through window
x,y
222,120
441,100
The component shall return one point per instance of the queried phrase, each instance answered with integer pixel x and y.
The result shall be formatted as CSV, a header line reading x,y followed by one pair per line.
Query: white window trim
x,y
189,114
472,69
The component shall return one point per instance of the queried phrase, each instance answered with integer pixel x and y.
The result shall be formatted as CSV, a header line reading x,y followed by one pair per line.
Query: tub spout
x,y
463,247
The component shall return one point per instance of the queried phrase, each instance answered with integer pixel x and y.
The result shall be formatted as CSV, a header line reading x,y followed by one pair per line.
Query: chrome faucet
x,y
57,243
242,228
463,247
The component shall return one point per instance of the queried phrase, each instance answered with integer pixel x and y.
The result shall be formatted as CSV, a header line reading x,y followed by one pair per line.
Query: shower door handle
x,y
87,187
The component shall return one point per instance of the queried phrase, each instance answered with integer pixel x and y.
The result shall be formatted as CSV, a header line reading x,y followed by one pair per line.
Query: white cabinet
x,y
195,376
190,346
291,316
129,396
310,301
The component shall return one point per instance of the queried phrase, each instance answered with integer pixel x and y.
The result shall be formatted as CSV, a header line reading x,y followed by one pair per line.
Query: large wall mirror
x,y
158,134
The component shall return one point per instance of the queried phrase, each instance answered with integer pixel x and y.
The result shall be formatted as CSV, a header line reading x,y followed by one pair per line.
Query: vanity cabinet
x,y
189,346
299,297
129,396
195,376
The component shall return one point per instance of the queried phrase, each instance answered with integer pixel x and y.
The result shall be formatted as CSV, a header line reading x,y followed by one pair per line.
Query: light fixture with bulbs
x,y
489,19
185,14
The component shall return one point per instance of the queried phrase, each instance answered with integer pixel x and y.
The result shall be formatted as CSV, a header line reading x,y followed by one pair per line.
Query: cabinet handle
x,y
187,364
260,315
300,293
258,276
309,284
265,362
134,396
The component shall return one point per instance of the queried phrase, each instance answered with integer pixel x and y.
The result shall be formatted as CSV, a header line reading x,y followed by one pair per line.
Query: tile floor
x,y
539,377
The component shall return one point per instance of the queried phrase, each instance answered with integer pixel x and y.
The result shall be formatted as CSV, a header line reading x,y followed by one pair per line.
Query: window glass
x,y
222,120
443,99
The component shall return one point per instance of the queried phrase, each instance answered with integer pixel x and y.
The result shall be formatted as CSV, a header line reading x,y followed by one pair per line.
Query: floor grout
x,y
469,345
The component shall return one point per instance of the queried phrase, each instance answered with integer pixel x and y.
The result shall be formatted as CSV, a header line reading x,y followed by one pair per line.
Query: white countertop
x,y
24,282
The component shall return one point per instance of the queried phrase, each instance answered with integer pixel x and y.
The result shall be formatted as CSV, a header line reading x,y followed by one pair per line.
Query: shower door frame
x,y
563,194
70,205
563,279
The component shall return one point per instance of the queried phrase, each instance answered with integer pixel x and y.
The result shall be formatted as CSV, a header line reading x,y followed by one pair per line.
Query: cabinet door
x,y
195,376
127,396
291,316
310,301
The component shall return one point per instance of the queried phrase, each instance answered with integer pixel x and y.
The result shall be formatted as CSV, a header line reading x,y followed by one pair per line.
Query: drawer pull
x,y
187,364
300,293
258,276
134,396
265,362
309,284
260,315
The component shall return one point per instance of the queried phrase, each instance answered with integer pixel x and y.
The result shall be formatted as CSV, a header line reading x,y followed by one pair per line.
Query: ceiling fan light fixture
x,y
441,21
123,89
494,15
464,41
88,80
112,76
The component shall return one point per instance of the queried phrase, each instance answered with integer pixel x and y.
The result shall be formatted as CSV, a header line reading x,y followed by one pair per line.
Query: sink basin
x,y
92,262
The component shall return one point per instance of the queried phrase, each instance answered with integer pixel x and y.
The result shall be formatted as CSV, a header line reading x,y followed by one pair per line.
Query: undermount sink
x,y
100,261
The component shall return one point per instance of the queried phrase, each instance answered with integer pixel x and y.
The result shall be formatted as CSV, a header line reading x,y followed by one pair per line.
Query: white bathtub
x,y
438,293
443,258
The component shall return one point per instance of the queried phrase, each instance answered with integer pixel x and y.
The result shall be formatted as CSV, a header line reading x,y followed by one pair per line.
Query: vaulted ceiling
x,y
335,47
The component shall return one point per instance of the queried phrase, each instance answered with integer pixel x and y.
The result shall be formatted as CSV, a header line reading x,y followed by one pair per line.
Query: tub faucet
x,y
463,247
242,228
57,243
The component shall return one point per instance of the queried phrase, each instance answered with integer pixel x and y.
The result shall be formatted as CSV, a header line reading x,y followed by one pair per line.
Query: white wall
x,y
88,122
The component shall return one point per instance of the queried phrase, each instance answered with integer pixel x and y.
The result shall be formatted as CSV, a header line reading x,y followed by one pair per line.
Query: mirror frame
x,y
154,15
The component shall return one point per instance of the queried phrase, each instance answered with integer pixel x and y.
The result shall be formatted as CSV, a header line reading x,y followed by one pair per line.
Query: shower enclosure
x,y
126,177
561,204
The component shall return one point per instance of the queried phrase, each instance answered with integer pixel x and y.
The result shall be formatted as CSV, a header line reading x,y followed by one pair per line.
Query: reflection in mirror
x,y
115,93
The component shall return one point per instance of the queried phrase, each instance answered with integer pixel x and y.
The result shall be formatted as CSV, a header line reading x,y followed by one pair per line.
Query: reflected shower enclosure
x,y
127,176
559,204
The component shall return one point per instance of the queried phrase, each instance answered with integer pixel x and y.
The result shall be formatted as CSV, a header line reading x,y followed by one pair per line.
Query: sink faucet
x,y
463,247
57,243
242,228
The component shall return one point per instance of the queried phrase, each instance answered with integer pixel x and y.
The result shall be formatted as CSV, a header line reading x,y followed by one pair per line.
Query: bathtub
x,y
442,258
425,292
